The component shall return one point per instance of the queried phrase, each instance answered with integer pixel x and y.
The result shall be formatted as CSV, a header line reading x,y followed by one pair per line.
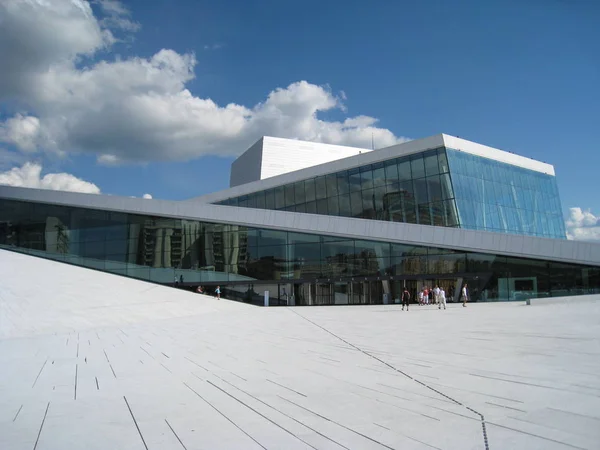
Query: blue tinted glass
x,y
431,163
417,166
404,172
354,180
496,196
391,171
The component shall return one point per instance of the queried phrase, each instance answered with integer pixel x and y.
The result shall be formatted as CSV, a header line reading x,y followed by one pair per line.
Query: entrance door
x,y
341,293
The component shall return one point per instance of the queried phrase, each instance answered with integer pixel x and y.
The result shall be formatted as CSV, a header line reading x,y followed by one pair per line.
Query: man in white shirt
x,y
436,294
465,295
442,298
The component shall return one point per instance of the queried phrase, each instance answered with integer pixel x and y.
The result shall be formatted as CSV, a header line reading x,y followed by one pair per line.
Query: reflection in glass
x,y
162,249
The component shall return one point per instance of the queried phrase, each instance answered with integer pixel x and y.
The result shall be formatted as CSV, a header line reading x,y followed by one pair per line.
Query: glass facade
x,y
295,268
441,187
496,196
412,189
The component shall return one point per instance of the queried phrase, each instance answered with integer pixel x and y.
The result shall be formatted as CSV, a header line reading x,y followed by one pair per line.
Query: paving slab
x,y
93,360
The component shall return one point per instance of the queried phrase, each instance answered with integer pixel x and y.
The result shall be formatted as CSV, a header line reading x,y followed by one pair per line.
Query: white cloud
x,y
22,131
140,109
29,175
583,225
117,16
147,196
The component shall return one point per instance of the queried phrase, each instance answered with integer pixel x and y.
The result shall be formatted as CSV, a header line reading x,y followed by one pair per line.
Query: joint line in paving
x,y
135,422
41,426
481,417
171,428
260,414
279,411
39,373
222,414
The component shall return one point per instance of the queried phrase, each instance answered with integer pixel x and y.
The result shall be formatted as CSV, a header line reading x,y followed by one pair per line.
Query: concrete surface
x,y
95,361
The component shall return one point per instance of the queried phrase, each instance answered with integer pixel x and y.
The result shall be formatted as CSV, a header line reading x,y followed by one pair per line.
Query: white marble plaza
x,y
94,361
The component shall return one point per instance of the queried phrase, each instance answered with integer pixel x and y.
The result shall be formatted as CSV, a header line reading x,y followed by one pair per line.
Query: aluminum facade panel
x,y
280,156
455,238
497,155
406,148
247,167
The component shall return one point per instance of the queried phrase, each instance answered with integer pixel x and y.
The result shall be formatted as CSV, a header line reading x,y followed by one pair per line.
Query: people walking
x,y
442,298
465,295
421,297
436,294
426,295
405,298
218,292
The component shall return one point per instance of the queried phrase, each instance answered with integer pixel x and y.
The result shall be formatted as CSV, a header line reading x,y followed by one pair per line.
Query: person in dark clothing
x,y
405,298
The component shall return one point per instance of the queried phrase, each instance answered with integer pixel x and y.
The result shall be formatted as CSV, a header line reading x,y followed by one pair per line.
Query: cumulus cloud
x,y
140,109
29,175
583,225
22,131
147,196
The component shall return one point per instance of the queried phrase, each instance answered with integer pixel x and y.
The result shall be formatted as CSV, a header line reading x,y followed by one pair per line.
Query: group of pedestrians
x,y
435,296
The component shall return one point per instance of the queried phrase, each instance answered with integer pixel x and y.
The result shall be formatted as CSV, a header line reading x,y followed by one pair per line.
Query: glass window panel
x,y
332,188
393,204
299,195
337,250
434,188
275,252
404,172
333,206
301,208
431,163
369,207
446,186
117,247
420,189
260,200
322,206
354,180
309,189
411,265
270,199
372,249
301,238
289,195
308,251
417,167
344,205
366,177
272,237
443,161
311,207
424,214
378,175
391,171
356,203
251,201
438,214
279,197
321,188
342,183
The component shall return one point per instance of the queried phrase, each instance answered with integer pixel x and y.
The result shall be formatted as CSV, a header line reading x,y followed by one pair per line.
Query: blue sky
x,y
523,76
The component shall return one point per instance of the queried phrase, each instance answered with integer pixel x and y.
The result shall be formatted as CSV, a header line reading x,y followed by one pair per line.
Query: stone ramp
x,y
153,368
39,296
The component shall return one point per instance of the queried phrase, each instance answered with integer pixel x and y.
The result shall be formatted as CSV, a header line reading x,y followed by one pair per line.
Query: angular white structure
x,y
271,156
